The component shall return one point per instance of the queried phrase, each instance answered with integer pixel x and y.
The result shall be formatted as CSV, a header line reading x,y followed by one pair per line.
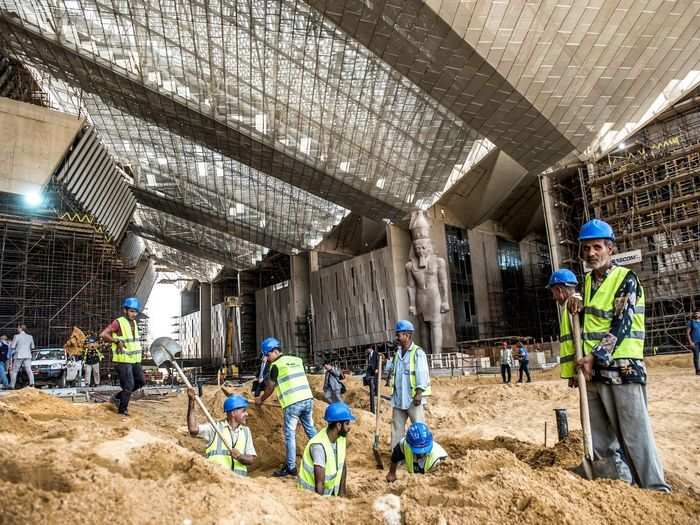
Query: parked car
x,y
51,366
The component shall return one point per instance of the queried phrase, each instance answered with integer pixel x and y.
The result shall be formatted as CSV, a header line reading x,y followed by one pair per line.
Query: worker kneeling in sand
x,y
323,467
233,428
418,451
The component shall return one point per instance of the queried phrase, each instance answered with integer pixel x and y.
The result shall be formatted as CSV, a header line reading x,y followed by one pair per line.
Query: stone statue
x,y
426,274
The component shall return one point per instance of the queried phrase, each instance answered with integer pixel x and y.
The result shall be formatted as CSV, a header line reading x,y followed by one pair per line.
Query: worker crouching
x,y
418,451
233,428
323,468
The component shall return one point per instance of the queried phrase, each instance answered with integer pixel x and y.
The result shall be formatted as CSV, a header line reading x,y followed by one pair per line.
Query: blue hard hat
x,y
338,411
235,401
596,229
404,326
132,303
562,276
419,438
269,344
91,339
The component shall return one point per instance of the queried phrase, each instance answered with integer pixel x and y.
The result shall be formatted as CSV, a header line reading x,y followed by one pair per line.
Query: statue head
x,y
422,248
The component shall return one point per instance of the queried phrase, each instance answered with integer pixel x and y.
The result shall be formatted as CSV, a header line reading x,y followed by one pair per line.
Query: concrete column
x,y
550,220
205,320
300,300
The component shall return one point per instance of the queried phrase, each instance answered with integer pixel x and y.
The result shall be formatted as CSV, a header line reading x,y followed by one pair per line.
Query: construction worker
x,y
288,379
323,469
506,360
523,356
693,335
410,380
613,362
123,333
562,284
91,360
418,451
233,428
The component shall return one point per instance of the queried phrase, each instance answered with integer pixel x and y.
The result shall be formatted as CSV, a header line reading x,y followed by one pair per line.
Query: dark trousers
x,y
505,373
130,379
696,358
524,368
372,394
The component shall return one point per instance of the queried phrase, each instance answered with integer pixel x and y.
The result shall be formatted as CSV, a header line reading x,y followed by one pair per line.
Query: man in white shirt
x,y
22,346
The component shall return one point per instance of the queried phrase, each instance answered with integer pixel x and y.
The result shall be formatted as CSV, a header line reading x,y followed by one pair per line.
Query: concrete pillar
x,y
550,220
300,301
205,320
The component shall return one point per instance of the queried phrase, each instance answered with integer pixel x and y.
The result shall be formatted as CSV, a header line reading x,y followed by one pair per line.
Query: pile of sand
x,y
77,463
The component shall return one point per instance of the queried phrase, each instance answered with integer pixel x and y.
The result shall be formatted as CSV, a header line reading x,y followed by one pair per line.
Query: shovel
x,y
588,457
165,349
375,445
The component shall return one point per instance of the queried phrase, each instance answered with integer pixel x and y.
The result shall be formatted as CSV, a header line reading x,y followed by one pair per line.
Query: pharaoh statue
x,y
426,274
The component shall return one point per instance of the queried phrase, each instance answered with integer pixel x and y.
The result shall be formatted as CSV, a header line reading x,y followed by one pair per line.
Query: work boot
x,y
125,413
284,470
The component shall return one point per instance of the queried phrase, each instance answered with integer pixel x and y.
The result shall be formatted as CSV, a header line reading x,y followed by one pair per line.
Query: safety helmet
x,y
91,339
562,276
419,438
235,401
269,344
338,411
404,326
596,229
132,303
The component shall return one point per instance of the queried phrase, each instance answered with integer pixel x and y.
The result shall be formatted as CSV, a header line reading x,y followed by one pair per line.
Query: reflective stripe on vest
x,y
598,315
131,353
217,452
292,385
411,371
433,456
567,351
333,470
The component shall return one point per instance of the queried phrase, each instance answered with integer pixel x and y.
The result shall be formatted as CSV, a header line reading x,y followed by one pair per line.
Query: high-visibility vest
x,y
217,452
333,470
292,384
411,371
598,312
437,453
131,352
567,351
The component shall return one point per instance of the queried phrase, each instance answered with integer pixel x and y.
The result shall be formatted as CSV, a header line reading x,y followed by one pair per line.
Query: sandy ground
x,y
77,463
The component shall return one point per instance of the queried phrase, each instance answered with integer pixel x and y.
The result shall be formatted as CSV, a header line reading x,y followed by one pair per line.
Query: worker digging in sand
x,y
123,333
240,440
613,363
418,451
288,380
323,469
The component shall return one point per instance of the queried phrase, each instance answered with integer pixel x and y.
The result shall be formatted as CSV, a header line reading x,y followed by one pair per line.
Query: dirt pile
x,y
56,457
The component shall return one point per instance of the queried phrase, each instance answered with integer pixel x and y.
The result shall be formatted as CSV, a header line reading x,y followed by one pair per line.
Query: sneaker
x,y
125,413
285,471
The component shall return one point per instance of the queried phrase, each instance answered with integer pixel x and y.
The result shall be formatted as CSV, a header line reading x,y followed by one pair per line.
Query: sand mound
x,y
55,457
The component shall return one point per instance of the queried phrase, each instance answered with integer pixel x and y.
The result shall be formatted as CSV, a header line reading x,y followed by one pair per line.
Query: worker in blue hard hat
x,y
288,380
418,451
123,333
323,468
562,285
91,360
613,345
409,380
232,427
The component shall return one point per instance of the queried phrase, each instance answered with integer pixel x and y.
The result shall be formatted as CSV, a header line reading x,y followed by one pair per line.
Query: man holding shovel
x,y
613,362
238,452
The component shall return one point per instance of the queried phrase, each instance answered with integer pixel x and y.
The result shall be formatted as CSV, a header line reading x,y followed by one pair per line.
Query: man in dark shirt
x,y
694,340
371,376
4,358
91,360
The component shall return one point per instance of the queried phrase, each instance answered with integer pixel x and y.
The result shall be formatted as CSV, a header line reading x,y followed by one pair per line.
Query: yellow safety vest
x,y
131,353
567,351
334,464
434,455
411,371
217,452
598,312
292,384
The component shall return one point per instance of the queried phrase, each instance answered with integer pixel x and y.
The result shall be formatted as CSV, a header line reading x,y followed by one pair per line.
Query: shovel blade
x,y
164,349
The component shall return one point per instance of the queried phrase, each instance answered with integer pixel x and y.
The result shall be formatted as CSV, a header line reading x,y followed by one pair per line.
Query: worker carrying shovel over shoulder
x,y
613,335
418,451
238,453
323,468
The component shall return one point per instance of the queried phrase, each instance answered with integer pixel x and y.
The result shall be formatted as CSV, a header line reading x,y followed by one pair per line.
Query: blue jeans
x,y
3,374
302,410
